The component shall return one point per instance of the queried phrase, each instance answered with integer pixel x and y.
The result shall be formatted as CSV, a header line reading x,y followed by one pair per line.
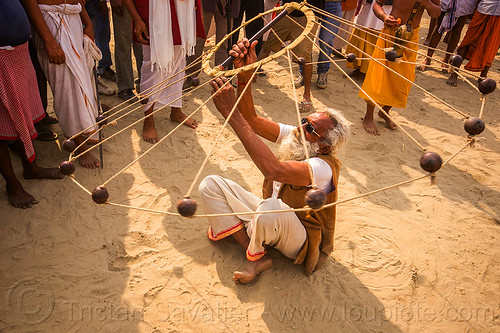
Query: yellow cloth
x,y
364,41
384,86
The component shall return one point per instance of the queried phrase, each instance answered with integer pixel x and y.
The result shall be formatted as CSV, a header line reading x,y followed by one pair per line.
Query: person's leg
x,y
87,160
138,63
191,68
31,170
100,23
327,35
252,9
149,133
432,26
484,73
283,231
452,80
220,33
390,124
368,121
16,194
454,38
433,42
122,28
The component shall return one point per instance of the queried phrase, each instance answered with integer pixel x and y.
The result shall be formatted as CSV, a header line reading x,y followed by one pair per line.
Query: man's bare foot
x,y
149,130
370,127
178,116
425,65
452,81
19,198
391,124
252,269
89,161
43,173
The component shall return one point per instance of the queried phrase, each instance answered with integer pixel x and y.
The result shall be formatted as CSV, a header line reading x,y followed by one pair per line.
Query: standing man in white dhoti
x,y
307,236
71,79
167,30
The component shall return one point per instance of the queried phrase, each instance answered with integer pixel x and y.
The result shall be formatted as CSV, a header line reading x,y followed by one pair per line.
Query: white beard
x,y
291,148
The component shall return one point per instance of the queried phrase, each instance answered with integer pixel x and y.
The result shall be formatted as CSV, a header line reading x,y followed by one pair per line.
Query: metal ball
x,y
315,198
351,57
487,86
195,82
69,145
391,55
456,60
431,162
474,126
103,118
301,61
100,195
67,168
186,206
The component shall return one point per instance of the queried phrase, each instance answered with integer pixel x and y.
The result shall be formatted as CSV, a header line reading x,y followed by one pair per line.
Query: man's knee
x,y
268,205
209,185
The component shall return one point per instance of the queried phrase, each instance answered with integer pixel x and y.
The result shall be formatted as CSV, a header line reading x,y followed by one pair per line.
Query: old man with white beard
x,y
306,237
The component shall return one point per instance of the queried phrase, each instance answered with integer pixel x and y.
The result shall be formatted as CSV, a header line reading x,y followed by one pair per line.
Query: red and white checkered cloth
x,y
20,104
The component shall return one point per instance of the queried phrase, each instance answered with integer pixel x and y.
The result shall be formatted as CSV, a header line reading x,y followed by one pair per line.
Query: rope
x,y
80,185
380,63
301,128
483,102
371,99
141,119
235,106
157,143
360,27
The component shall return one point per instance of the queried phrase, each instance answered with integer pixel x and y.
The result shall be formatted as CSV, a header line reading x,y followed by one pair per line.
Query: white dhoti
x,y
283,231
71,83
167,83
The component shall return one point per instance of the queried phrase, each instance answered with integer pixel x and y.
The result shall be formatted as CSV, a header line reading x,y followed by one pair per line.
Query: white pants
x,y
150,77
283,231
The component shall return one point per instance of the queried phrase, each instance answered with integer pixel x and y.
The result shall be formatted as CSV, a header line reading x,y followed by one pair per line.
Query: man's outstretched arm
x,y
244,54
289,172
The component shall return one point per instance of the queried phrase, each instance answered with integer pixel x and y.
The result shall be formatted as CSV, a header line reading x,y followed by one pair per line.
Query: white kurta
x,y
166,92
71,83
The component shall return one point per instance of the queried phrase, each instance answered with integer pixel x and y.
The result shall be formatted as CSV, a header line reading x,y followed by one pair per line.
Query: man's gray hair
x,y
339,133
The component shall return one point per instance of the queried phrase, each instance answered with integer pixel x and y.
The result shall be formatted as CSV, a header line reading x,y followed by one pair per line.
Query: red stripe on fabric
x,y
224,233
256,256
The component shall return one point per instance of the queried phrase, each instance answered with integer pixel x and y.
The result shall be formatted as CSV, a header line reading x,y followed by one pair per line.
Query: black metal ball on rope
x,y
315,198
487,86
186,206
69,145
301,61
102,118
67,168
351,57
100,195
456,60
474,126
391,55
431,161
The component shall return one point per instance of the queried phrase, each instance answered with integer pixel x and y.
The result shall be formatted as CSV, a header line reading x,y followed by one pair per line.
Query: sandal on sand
x,y
47,135
305,106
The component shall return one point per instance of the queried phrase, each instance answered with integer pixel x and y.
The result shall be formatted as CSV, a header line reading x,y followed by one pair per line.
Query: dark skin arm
x,y
87,22
140,29
432,7
54,50
288,172
244,54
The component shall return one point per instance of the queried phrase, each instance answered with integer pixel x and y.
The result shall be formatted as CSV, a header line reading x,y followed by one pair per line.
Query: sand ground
x,y
413,259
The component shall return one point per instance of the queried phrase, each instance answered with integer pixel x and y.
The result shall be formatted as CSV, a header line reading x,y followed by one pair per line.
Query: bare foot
x,y
425,65
149,131
177,116
391,124
19,198
452,81
43,173
253,269
370,127
89,161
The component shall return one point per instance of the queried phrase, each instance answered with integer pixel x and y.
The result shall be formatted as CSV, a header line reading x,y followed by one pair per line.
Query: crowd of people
x,y
70,49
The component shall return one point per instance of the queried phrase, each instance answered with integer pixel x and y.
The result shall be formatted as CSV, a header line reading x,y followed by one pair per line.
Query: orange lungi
x,y
481,41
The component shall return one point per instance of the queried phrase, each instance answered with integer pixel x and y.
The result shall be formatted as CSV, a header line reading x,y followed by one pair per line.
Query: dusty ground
x,y
413,259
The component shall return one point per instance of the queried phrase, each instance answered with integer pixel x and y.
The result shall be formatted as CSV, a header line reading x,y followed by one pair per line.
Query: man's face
x,y
315,126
